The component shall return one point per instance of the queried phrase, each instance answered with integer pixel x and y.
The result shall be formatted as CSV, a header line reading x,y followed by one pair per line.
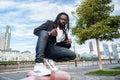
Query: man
x,y
53,43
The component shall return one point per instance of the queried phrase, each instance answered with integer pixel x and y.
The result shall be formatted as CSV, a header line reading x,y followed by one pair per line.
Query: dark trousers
x,y
46,50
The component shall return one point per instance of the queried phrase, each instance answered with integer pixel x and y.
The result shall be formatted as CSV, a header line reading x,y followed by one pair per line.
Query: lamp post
x,y
110,57
74,51
18,63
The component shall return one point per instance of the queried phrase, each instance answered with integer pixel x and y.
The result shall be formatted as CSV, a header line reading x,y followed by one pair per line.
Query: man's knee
x,y
74,56
43,34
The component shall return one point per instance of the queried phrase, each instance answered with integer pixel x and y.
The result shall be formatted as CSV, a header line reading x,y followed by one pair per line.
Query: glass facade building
x,y
5,39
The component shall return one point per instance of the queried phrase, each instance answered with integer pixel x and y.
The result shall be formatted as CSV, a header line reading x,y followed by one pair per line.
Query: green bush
x,y
16,62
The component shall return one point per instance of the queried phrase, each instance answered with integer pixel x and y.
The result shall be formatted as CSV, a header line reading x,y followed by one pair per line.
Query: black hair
x,y
58,17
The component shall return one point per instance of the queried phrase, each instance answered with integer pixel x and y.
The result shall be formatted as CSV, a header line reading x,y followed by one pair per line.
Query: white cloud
x,y
117,7
42,12
26,46
21,30
6,4
23,17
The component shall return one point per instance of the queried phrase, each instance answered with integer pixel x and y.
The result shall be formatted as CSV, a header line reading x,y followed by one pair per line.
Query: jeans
x,y
46,50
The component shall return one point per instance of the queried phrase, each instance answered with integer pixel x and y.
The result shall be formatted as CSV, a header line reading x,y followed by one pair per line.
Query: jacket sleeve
x,y
44,26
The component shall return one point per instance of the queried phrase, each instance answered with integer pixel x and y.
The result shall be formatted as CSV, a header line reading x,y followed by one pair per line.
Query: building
x,y
2,41
106,49
6,54
118,50
91,47
5,39
15,55
114,50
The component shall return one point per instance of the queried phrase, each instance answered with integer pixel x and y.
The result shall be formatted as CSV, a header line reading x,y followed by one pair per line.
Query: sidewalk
x,y
78,73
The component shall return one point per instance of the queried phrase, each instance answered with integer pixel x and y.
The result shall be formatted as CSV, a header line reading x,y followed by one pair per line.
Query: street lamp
x,y
74,51
110,57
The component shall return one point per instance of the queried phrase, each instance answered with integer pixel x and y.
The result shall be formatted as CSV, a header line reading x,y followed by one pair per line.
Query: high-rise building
x,y
118,49
114,50
106,49
2,41
91,47
5,39
7,35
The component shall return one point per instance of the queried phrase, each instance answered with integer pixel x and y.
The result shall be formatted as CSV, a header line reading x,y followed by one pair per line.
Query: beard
x,y
61,24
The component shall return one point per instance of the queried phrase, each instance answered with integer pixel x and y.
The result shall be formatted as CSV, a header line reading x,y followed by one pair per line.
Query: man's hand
x,y
53,32
68,41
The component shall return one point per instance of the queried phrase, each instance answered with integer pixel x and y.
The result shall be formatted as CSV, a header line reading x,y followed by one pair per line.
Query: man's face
x,y
63,20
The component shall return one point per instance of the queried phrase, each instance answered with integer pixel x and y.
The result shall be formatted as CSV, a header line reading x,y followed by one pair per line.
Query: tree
x,y
93,21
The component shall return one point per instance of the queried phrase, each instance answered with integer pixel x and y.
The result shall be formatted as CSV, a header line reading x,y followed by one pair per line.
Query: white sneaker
x,y
40,69
51,64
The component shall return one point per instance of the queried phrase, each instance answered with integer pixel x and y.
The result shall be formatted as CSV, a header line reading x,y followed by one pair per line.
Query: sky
x,y
24,15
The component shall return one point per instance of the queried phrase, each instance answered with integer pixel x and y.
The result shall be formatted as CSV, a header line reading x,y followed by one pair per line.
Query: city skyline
x,y
24,16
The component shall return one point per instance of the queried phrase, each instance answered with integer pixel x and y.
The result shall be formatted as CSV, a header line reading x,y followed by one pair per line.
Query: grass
x,y
113,72
104,72
117,67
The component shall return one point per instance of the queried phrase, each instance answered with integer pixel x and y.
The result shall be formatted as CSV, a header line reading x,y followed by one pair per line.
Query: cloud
x,y
26,46
116,7
23,16
6,4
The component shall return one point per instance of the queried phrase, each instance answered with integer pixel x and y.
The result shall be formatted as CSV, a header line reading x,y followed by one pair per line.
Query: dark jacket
x,y
48,26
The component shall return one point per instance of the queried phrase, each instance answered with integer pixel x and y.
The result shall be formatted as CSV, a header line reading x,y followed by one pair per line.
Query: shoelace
x,y
49,64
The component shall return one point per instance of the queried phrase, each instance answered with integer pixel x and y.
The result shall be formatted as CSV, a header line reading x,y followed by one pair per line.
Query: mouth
x,y
63,23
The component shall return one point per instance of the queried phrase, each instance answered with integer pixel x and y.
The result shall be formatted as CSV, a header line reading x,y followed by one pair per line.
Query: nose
x,y
63,21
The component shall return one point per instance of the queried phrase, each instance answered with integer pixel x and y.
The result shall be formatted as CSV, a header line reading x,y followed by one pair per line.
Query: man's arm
x,y
41,27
